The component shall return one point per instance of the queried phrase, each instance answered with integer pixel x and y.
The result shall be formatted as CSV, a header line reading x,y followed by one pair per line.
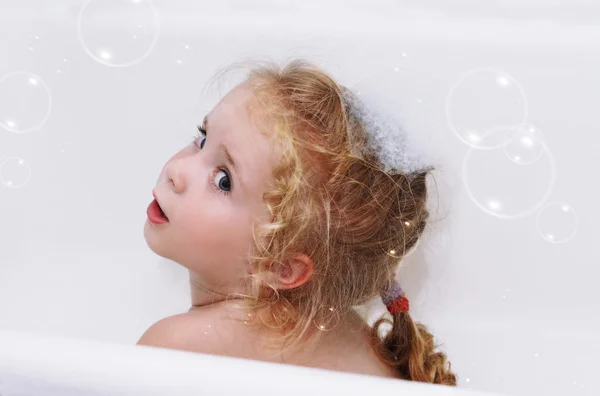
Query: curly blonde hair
x,y
333,201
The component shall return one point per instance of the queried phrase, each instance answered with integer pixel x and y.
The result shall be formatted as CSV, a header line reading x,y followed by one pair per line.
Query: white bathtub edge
x,y
58,365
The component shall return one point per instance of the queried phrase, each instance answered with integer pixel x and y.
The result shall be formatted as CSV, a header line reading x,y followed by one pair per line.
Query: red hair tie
x,y
394,299
398,305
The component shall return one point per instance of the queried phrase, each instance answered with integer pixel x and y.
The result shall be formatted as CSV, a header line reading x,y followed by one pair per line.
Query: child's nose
x,y
176,175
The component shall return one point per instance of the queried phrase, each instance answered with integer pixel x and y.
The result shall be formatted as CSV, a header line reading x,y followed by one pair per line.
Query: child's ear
x,y
292,273
295,272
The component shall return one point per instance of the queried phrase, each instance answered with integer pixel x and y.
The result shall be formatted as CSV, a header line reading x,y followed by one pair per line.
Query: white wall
x,y
515,311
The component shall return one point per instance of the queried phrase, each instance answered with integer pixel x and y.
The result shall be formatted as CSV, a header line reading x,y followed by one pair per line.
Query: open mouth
x,y
155,213
162,214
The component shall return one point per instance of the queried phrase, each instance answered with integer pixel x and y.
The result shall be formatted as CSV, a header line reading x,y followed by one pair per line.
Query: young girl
x,y
287,212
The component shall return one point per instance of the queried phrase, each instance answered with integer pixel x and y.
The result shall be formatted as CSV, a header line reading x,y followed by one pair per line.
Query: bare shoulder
x,y
218,330
204,331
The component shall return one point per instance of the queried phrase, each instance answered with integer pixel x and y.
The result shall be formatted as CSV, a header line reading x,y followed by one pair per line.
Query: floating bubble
x,y
327,318
482,100
25,102
118,33
61,66
557,222
183,54
413,249
64,146
397,252
248,318
46,58
14,172
503,188
406,63
524,144
35,43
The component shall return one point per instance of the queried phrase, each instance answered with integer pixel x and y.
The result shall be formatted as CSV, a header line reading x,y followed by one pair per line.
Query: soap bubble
x,y
14,172
397,252
183,54
524,144
61,65
118,33
46,57
35,42
248,318
503,188
327,318
414,248
482,100
25,102
557,222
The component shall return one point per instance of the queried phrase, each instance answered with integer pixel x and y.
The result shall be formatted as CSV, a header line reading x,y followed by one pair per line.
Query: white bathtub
x,y
506,282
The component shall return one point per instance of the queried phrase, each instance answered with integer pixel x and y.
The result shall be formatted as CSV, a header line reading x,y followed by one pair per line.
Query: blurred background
x,y
95,96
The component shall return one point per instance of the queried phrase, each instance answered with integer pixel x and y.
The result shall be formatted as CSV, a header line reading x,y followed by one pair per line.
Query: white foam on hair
x,y
398,150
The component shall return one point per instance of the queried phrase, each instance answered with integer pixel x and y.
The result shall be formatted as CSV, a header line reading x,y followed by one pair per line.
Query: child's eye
x,y
200,136
222,181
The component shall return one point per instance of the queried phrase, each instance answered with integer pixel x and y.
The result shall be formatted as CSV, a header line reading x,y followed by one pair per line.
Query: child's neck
x,y
201,295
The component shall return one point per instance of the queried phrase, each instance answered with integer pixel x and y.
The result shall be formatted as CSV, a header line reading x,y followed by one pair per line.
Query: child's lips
x,y
156,212
161,211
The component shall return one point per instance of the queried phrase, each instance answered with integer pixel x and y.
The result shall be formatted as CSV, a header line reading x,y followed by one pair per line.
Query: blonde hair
x,y
333,201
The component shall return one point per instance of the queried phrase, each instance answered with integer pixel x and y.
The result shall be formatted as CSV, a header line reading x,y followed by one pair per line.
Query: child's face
x,y
211,207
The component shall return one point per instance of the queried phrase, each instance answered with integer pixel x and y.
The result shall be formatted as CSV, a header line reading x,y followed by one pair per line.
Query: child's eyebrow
x,y
228,155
